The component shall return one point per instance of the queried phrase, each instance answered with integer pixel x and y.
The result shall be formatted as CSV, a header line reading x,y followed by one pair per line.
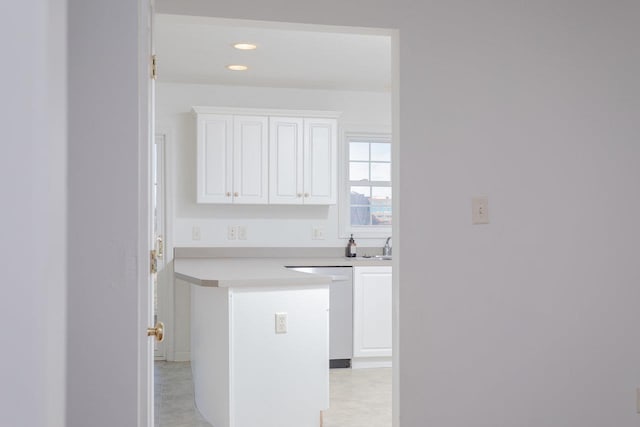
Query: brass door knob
x,y
157,331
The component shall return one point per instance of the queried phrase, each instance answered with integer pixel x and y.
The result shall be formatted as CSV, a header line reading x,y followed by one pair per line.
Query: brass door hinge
x,y
153,261
154,67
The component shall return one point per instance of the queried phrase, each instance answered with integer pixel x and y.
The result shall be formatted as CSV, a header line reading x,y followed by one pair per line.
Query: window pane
x,y
358,171
360,215
381,152
360,195
359,151
369,161
381,217
381,193
381,212
380,172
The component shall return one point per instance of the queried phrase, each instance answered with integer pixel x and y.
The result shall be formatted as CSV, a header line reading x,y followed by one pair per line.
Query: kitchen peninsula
x,y
259,335
248,368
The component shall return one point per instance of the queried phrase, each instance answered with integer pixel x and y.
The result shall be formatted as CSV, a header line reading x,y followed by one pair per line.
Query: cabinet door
x,y
215,158
286,160
250,160
320,157
372,302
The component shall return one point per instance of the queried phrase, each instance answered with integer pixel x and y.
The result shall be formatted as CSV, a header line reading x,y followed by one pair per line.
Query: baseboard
x,y
182,356
370,362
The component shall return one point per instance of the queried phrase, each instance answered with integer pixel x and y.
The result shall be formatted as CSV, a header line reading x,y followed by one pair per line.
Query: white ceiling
x,y
198,49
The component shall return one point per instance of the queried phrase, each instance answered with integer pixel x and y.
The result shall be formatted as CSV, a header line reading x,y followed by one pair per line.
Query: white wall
x,y
266,225
33,188
527,321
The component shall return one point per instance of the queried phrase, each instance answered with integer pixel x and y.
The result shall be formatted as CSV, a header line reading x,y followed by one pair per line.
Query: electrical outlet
x,y
232,232
480,210
281,323
195,233
317,233
242,232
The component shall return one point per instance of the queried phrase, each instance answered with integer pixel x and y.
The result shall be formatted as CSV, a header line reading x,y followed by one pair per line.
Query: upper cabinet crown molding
x,y
266,156
266,112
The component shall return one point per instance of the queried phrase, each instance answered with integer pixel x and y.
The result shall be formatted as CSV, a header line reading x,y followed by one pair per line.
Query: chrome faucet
x,y
386,250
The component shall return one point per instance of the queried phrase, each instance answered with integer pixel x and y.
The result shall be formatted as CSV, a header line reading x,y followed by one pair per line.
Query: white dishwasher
x,y
340,312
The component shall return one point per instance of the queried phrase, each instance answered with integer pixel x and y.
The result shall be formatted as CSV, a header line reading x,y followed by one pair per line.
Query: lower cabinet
x,y
372,318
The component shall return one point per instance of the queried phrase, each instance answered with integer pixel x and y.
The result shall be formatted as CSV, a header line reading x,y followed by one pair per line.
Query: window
x,y
369,182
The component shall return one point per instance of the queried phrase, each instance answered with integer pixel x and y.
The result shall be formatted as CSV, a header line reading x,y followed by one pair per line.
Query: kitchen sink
x,y
376,257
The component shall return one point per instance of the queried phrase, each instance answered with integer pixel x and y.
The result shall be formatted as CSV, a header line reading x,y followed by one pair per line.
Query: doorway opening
x,y
290,66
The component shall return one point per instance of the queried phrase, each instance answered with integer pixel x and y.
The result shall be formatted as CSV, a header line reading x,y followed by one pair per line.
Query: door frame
x,y
165,286
394,34
159,216
145,233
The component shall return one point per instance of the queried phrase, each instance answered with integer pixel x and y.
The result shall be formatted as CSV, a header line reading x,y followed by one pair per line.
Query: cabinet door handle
x,y
228,194
235,194
299,194
306,194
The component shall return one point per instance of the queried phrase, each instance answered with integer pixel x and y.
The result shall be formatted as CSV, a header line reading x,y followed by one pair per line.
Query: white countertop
x,y
260,272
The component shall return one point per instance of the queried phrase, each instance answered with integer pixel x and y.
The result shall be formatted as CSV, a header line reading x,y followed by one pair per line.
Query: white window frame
x,y
347,135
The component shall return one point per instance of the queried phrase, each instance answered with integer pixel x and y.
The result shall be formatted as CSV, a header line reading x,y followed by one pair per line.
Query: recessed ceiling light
x,y
245,46
237,67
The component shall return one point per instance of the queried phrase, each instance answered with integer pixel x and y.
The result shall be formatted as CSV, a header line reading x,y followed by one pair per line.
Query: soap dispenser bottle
x,y
351,248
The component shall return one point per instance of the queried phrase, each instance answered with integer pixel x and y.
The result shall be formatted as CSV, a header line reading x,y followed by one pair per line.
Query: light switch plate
x,y
480,210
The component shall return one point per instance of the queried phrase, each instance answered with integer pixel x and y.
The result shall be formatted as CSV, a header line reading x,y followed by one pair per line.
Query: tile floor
x,y
173,396
359,397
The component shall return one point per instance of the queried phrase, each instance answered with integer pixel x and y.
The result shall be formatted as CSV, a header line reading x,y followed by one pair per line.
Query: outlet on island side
x,y
281,323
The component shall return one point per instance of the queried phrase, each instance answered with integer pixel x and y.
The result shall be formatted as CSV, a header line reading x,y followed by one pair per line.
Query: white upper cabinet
x,y
320,157
250,160
303,156
215,158
233,159
253,156
286,160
